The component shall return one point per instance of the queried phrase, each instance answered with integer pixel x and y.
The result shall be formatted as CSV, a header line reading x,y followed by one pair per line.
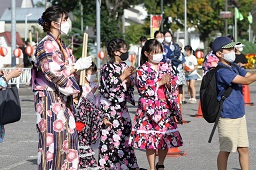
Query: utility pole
x,y
13,33
226,20
162,13
82,17
98,3
185,25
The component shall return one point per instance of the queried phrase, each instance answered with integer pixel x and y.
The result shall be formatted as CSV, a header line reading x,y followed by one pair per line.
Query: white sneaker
x,y
193,100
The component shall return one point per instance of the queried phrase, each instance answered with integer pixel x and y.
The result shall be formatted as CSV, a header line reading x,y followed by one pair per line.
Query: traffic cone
x,y
246,93
199,111
174,152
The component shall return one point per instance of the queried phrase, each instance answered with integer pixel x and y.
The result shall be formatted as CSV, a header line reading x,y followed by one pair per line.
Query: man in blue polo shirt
x,y
232,126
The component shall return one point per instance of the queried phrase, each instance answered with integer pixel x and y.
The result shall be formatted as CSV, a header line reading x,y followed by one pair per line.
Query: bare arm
x,y
248,79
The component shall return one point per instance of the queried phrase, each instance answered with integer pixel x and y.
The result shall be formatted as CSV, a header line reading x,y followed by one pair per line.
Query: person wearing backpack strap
x,y
232,128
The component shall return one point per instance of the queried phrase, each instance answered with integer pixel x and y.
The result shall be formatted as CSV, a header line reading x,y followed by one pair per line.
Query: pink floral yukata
x,y
114,151
154,122
88,113
57,148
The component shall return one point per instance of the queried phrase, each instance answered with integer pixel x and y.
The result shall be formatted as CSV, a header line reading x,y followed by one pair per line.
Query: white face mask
x,y
64,27
91,77
168,39
240,48
230,57
161,40
157,58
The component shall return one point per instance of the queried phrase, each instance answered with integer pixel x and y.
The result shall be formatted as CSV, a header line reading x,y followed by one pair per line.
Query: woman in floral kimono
x,y
155,127
116,89
54,84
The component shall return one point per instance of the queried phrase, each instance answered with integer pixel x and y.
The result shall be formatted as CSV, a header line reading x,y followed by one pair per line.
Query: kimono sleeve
x,y
52,65
146,83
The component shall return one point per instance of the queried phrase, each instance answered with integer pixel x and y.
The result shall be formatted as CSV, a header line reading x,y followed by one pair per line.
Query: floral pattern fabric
x,y
114,151
154,122
89,114
58,141
210,60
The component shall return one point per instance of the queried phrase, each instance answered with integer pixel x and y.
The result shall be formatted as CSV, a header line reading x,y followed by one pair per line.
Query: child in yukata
x,y
88,120
116,89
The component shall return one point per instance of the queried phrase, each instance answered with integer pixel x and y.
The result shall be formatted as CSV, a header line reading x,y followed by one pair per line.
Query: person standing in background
x,y
190,72
240,60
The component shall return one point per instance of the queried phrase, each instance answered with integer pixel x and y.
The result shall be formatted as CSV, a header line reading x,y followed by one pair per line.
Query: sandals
x,y
159,166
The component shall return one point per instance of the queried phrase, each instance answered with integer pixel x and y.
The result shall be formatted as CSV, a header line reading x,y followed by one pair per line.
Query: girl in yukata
x,y
155,127
53,83
116,89
4,78
88,119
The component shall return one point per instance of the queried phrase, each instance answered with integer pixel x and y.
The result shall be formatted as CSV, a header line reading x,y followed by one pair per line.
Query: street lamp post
x,y
26,25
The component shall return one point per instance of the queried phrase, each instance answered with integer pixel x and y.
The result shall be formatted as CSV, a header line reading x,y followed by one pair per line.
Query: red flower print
x,y
139,72
56,107
49,46
49,156
58,125
42,125
65,146
49,139
72,155
39,108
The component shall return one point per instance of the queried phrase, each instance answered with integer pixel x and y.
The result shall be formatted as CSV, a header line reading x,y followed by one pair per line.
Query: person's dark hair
x,y
93,67
150,45
115,45
188,48
157,32
52,13
168,32
231,37
143,38
210,45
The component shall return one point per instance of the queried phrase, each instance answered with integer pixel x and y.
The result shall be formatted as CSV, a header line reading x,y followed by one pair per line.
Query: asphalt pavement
x,y
19,149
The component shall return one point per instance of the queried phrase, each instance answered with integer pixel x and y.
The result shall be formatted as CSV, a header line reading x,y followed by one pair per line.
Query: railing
x,y
24,78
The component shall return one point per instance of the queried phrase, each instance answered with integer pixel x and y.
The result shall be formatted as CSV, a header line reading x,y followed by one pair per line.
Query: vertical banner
x,y
155,23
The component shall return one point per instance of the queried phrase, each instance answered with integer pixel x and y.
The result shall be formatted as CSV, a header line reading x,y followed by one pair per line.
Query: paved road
x,y
19,149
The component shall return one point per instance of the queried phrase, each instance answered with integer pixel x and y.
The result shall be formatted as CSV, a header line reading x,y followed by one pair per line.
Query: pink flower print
x,y
66,73
65,146
41,94
105,132
57,59
174,142
116,137
49,46
42,125
71,131
49,139
103,138
126,162
116,144
113,112
49,113
115,123
58,125
49,156
102,161
56,107
72,155
64,166
118,69
45,66
164,67
104,148
39,108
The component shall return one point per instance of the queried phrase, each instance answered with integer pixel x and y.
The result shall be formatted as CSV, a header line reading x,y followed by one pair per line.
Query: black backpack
x,y
211,107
